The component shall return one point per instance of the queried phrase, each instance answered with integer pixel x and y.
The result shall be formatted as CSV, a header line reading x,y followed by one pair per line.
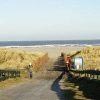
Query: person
x,y
29,68
30,74
68,62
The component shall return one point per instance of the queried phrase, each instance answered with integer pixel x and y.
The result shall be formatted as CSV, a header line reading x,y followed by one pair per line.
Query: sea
x,y
49,43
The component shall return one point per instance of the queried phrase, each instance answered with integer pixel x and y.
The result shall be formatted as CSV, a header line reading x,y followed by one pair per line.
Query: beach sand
x,y
54,52
51,52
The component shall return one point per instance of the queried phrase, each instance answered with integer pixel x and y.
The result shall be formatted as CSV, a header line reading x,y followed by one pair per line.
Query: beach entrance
x,y
54,82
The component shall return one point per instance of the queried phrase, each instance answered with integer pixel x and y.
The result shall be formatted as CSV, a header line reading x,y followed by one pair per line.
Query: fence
x,y
5,74
92,74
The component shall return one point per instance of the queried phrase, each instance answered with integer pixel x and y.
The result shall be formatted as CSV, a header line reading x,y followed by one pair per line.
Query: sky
x,y
49,20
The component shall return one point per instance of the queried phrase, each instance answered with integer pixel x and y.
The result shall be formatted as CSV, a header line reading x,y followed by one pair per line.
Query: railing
x,y
92,74
5,74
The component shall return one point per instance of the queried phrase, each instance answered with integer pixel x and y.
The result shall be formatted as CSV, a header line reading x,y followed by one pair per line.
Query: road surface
x,y
36,89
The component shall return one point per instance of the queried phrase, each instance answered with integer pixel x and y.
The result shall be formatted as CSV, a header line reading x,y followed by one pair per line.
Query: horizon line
x,y
50,40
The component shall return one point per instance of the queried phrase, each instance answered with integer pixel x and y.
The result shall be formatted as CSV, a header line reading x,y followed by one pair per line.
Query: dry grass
x,y
91,57
12,82
19,59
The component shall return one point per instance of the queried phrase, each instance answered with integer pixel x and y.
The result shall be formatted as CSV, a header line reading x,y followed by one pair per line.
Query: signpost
x,y
78,63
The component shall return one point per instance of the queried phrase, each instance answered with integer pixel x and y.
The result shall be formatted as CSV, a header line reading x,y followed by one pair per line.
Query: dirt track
x,y
43,87
47,85
38,89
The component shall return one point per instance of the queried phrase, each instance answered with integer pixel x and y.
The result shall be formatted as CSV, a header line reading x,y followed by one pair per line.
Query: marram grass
x,y
91,56
19,59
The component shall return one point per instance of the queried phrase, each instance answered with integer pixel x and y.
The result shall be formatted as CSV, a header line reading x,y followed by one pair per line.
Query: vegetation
x,y
19,59
91,56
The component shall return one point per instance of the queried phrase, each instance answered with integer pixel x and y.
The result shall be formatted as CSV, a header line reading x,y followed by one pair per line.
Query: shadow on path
x,y
62,94
90,88
82,88
56,87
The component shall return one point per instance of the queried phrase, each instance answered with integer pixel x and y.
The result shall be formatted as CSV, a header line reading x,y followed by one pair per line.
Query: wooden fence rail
x,y
5,74
94,74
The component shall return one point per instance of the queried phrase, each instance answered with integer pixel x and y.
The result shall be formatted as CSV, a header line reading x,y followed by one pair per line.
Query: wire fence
x,y
5,74
92,74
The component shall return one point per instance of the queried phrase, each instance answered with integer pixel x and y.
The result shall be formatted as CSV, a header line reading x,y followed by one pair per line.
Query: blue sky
x,y
49,19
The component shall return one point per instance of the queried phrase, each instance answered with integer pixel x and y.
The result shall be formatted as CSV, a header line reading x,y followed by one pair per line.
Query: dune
x,y
91,56
19,59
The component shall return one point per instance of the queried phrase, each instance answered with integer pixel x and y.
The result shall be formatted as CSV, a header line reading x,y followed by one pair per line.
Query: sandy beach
x,y
54,52
90,54
20,57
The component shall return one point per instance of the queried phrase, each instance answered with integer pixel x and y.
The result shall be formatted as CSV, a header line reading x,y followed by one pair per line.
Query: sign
x,y
78,62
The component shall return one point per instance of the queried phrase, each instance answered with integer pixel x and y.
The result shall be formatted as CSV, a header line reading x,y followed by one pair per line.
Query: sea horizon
x,y
51,43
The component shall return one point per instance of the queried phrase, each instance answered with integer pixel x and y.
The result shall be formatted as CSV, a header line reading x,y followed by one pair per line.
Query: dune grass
x,y
12,82
19,59
91,56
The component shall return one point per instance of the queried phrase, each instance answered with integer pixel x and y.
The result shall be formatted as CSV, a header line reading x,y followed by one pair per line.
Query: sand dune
x,y
91,56
18,59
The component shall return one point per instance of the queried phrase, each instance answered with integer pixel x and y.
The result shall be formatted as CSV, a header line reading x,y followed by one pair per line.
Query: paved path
x,y
38,89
